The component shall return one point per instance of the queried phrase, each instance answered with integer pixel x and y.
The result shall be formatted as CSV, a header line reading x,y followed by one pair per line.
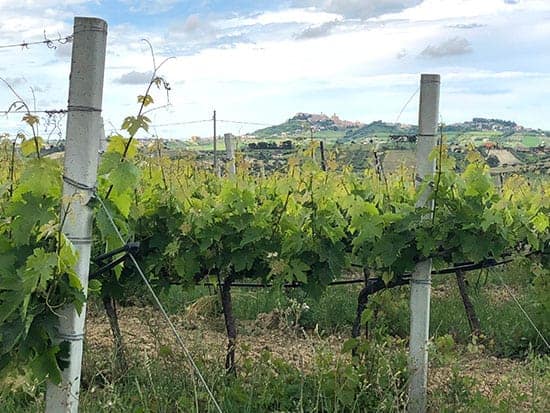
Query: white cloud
x,y
251,67
450,47
135,78
460,9
313,32
295,15
360,9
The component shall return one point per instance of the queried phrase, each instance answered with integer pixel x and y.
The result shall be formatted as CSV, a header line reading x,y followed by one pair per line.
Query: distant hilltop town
x,y
324,122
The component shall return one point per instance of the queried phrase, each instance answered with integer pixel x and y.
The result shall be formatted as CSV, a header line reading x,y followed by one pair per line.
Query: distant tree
x,y
286,144
252,145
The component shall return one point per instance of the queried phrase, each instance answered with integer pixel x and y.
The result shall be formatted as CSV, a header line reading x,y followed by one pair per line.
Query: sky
x,y
260,62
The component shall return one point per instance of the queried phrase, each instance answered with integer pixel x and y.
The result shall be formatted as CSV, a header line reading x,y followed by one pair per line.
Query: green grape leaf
x,y
68,256
132,124
45,365
118,144
187,264
146,100
39,269
297,269
540,222
109,161
28,147
10,301
94,286
41,178
251,235
241,260
11,333
7,265
28,212
124,177
123,202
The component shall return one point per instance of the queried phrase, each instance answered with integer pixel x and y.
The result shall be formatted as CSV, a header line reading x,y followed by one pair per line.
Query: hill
x,y
478,130
378,128
302,124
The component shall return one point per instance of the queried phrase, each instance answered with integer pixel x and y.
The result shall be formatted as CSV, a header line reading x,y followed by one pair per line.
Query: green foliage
x,y
302,226
37,273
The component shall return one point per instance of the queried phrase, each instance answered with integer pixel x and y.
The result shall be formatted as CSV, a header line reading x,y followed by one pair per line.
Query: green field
x,y
532,141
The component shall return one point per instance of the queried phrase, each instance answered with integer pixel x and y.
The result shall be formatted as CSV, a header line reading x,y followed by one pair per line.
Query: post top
x,y
430,78
90,23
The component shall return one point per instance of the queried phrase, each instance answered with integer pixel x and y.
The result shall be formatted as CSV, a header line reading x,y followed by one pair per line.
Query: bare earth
x,y
147,336
505,157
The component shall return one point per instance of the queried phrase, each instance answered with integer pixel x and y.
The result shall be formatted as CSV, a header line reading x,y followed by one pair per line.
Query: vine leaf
x,y
145,100
28,146
118,144
45,365
39,269
134,123
540,222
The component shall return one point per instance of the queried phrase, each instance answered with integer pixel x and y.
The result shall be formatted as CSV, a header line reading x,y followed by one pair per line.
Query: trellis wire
x,y
48,42
160,306
524,312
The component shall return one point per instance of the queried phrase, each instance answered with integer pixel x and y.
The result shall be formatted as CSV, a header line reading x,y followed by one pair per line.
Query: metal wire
x,y
46,41
161,307
239,122
524,312
406,104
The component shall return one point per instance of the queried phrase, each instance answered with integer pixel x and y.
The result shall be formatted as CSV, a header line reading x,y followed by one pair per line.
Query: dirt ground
x,y
505,157
146,335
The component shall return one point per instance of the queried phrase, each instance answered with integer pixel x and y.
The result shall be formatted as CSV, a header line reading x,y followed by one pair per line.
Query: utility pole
x,y
84,128
421,277
215,145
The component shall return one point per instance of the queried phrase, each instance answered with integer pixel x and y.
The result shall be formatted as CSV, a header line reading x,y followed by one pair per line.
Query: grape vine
x,y
303,225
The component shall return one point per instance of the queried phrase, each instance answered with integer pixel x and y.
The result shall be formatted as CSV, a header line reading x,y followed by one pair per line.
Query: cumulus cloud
x,y
134,78
450,47
359,9
313,32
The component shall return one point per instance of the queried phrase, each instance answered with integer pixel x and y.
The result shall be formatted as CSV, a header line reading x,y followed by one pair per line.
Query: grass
x,y
376,383
466,375
508,332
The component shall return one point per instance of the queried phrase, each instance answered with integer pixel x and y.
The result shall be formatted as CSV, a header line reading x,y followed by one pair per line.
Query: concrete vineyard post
x,y
84,130
230,153
421,278
215,146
